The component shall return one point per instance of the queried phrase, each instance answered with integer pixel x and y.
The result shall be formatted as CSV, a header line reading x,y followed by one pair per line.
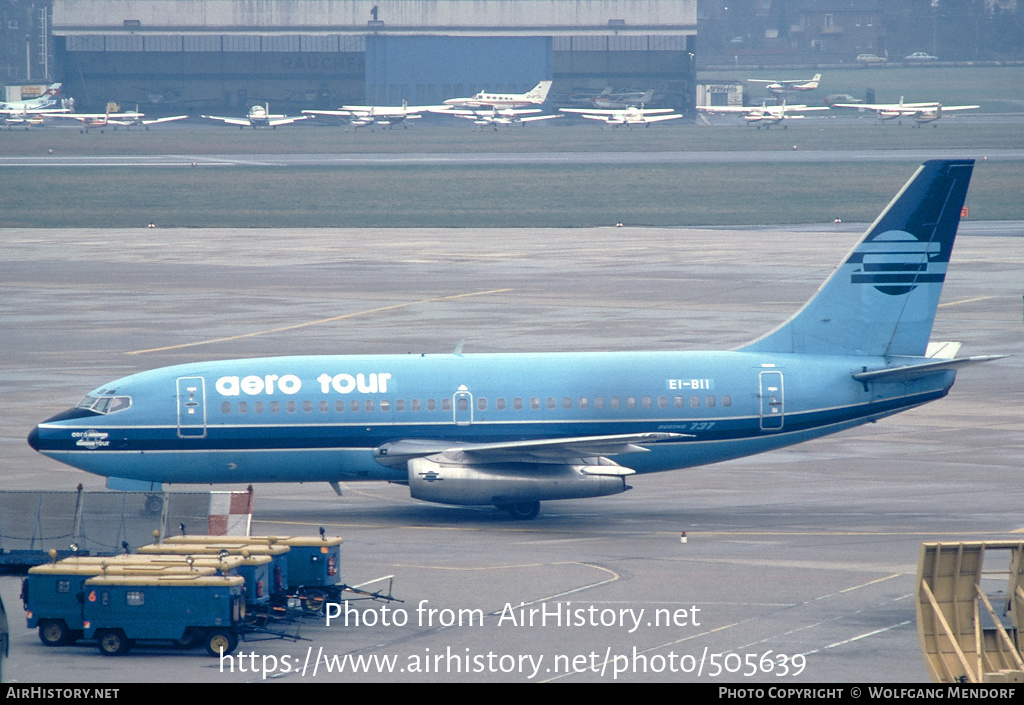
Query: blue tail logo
x,y
896,262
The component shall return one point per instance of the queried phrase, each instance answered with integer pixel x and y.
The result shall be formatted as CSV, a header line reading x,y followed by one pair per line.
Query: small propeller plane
x,y
515,429
258,116
790,86
764,115
920,112
115,119
370,115
496,117
627,116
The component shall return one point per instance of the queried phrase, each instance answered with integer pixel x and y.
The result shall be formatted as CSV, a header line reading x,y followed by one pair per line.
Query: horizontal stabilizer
x,y
907,372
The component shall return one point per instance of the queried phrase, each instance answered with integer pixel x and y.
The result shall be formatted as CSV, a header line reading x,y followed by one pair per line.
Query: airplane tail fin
x,y
882,299
540,92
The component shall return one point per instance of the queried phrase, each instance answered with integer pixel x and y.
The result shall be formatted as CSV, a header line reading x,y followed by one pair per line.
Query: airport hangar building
x,y
188,54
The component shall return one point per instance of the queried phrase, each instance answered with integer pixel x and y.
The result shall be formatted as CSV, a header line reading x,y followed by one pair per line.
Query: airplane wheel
x,y
524,511
113,642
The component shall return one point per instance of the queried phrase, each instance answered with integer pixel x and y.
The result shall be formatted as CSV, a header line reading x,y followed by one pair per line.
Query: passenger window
x,y
663,402
551,402
614,402
225,407
499,403
647,402
258,407
583,402
431,405
598,402
368,405
243,407
415,404
291,407
566,403
711,400
534,403
275,407
354,405
400,405
446,405
324,407
679,402
307,406
463,403
630,402
385,405
694,402
726,400
481,403
339,406
517,403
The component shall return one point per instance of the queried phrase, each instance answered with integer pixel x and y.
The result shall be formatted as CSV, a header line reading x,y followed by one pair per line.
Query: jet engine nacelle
x,y
511,483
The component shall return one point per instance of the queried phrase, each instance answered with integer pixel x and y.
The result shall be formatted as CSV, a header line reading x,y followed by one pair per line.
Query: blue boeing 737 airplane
x,y
512,430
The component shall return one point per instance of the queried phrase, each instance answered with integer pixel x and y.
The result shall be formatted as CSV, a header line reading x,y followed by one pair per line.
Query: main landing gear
x,y
522,511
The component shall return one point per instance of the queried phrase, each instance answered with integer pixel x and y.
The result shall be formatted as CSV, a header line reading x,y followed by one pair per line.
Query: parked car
x,y
921,56
870,58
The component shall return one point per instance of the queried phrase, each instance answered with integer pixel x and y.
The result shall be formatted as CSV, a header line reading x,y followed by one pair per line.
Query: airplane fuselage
x,y
304,419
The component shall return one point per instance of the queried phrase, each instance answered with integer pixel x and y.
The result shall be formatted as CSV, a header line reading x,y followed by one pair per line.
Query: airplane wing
x,y
81,117
274,122
659,118
338,113
244,122
399,452
593,111
950,108
154,121
538,117
886,106
726,108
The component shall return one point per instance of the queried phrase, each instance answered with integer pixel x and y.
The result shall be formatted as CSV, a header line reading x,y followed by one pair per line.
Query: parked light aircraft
x,y
536,96
628,117
764,114
258,116
364,115
46,100
920,112
626,99
515,429
30,118
496,117
790,86
127,119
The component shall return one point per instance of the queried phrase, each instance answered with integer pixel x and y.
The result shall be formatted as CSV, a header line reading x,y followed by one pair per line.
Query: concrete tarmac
x,y
799,565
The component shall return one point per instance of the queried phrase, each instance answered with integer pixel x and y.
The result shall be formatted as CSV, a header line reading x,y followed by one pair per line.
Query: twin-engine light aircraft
x,y
515,429
258,116
484,99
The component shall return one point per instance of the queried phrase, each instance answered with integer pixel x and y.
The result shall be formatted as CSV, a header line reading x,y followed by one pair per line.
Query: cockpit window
x,y
105,404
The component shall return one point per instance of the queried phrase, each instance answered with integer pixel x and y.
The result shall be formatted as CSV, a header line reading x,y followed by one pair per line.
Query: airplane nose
x,y
33,438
